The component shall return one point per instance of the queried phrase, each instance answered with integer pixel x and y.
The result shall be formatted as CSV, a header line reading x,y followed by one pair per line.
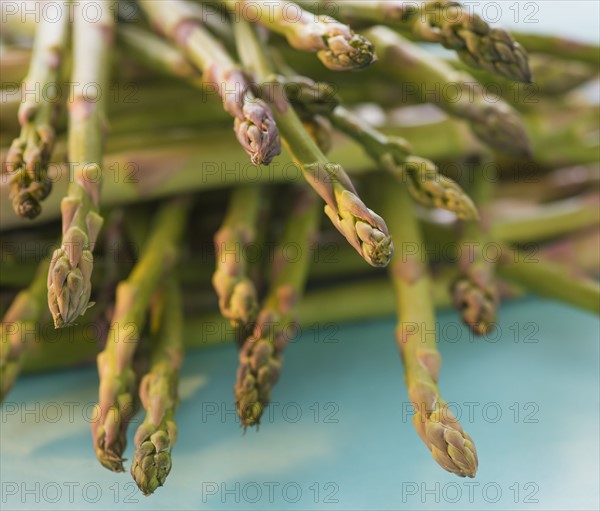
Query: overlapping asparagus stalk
x,y
475,293
393,154
365,230
262,352
553,280
117,378
30,152
494,122
237,295
69,286
335,44
254,126
445,22
435,423
155,438
20,327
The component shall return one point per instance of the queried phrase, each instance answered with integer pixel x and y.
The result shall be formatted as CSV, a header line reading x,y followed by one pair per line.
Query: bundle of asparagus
x,y
508,177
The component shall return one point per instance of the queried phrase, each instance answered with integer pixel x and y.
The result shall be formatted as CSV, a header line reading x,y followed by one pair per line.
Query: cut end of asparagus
x,y
346,52
152,460
477,303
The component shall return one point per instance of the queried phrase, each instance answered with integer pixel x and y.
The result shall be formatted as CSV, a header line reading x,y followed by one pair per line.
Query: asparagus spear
x,y
449,444
156,436
254,126
474,292
365,230
20,326
261,353
117,379
69,285
238,300
556,281
30,152
335,44
567,49
494,122
445,22
393,154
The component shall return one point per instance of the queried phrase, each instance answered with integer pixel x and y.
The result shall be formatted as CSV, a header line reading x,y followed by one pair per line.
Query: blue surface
x,y
360,451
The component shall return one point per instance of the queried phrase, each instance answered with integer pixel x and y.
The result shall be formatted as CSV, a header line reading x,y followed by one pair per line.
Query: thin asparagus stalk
x,y
450,446
156,53
335,44
567,49
117,379
555,281
365,230
393,154
445,22
238,299
494,122
69,286
155,438
262,352
554,77
30,152
254,126
20,326
475,294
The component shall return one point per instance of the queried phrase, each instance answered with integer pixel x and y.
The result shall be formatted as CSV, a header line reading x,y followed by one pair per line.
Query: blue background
x,y
528,396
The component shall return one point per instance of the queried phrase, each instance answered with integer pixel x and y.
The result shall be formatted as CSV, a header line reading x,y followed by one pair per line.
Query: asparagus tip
x,y
152,462
477,303
347,52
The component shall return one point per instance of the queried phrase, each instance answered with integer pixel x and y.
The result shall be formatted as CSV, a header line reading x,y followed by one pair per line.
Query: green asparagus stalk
x,y
445,22
475,294
155,438
238,299
441,431
254,126
393,154
117,379
567,49
69,285
364,229
335,44
554,77
20,325
555,281
425,183
156,54
458,94
262,352
30,152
